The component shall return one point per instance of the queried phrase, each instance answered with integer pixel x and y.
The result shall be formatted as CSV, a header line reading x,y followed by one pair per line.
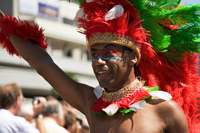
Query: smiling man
x,y
124,37
109,67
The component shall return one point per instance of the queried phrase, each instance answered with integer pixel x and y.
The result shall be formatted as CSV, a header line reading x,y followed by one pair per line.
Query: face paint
x,y
108,58
109,53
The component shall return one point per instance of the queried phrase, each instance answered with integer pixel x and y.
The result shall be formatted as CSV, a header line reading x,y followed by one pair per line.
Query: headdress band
x,y
114,38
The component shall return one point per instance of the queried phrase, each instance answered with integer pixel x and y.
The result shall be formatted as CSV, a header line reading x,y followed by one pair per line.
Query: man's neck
x,y
116,88
123,92
12,111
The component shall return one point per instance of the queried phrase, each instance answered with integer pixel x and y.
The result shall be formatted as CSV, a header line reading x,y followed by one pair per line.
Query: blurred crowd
x,y
57,116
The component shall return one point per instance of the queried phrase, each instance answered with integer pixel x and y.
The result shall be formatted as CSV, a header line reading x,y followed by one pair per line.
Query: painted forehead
x,y
104,46
106,52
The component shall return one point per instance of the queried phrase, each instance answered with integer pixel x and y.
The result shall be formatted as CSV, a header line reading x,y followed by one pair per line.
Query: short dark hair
x,y
9,94
126,51
70,119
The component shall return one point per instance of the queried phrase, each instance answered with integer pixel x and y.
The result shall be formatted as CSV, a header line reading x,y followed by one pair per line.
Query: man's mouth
x,y
103,74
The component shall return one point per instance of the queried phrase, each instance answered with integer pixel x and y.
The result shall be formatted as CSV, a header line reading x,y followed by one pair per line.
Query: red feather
x,y
10,25
182,82
125,103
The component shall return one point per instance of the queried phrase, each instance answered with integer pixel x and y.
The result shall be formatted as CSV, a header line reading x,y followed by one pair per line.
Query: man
x,y
85,127
70,122
114,60
11,98
73,118
53,116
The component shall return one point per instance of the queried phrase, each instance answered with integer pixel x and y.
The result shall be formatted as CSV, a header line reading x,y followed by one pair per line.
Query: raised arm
x,y
74,93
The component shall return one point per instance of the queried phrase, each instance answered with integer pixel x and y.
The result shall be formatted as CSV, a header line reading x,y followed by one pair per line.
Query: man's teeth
x,y
103,72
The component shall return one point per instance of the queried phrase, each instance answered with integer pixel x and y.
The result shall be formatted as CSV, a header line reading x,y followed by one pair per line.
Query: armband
x,y
10,25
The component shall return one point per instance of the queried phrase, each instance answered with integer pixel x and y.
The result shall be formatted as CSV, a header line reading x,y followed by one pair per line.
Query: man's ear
x,y
133,59
132,62
16,103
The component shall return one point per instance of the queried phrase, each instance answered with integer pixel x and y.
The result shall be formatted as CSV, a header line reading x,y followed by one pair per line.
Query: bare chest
x,y
140,122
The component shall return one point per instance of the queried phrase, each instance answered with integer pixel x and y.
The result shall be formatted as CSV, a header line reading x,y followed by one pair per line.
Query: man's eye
x,y
109,52
94,55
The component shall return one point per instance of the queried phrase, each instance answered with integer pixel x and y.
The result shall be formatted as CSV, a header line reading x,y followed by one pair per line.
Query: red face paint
x,y
110,51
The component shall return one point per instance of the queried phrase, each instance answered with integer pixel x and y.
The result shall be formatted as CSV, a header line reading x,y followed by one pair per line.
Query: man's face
x,y
108,66
19,103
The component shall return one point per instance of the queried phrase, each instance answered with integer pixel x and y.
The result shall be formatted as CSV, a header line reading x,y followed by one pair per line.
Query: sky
x,y
191,1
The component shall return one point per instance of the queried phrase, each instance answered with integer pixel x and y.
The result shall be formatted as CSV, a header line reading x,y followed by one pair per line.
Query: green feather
x,y
125,111
173,43
150,89
80,1
99,113
182,15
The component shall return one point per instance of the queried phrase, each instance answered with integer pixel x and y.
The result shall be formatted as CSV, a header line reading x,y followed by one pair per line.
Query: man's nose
x,y
100,61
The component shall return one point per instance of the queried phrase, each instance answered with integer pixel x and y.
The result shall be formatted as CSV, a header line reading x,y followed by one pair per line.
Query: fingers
x,y
39,100
39,105
42,100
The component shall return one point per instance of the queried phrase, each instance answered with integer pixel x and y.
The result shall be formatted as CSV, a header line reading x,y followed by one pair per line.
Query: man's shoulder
x,y
169,106
170,113
166,110
5,114
52,126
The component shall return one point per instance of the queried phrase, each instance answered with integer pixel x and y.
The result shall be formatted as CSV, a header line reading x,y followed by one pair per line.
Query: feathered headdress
x,y
163,33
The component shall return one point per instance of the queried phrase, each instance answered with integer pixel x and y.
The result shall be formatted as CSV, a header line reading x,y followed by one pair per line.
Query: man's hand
x,y
38,105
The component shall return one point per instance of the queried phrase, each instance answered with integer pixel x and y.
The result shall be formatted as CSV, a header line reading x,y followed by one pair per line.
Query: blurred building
x,y
66,46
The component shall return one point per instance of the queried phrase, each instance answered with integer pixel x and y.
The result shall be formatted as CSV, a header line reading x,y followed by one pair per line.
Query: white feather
x,y
111,109
115,12
89,1
138,106
161,94
79,14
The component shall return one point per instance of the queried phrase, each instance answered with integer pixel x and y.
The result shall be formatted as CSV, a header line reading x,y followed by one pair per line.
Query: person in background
x,y
11,98
61,122
65,105
27,112
53,117
85,126
70,122
80,119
